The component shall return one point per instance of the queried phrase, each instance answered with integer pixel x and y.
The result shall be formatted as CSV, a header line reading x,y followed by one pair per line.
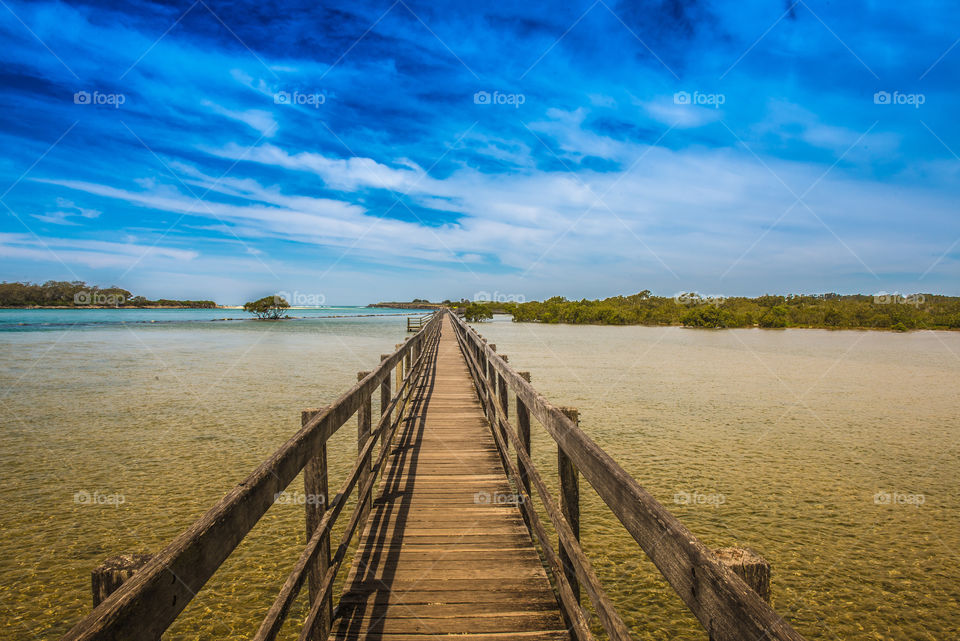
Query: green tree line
x,y
79,294
886,311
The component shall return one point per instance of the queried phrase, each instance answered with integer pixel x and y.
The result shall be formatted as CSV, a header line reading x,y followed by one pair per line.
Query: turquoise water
x,y
34,319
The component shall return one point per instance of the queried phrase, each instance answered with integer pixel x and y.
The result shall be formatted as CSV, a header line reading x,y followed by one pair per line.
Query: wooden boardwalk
x,y
443,551
442,554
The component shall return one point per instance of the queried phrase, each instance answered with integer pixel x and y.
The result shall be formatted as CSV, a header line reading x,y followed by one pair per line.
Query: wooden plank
x,y
547,635
518,622
437,601
458,585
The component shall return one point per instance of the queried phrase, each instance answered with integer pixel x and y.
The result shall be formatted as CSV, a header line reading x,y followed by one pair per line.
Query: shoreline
x,y
775,329
199,320
82,307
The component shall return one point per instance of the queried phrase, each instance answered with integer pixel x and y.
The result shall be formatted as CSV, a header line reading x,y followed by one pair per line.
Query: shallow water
x,y
776,440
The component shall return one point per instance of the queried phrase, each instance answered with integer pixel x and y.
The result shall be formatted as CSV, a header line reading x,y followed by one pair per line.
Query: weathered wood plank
x,y
316,486
569,503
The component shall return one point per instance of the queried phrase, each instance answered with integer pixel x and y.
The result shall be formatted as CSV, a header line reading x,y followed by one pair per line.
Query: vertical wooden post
x,y
569,501
364,415
111,574
483,359
408,360
504,406
749,566
491,375
385,398
316,492
399,368
478,352
523,434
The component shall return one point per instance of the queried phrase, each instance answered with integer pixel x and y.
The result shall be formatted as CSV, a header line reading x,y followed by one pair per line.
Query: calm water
x,y
34,319
833,454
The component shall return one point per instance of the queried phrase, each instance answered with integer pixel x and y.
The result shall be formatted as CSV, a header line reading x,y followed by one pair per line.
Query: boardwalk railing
x,y
726,606
146,604
416,323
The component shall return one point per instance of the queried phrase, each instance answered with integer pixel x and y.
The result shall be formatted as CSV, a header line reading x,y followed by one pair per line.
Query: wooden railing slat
x,y
316,484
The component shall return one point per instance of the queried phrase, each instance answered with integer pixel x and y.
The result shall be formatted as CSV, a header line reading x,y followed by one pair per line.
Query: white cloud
x,y
682,116
257,119
67,214
789,122
92,253
347,174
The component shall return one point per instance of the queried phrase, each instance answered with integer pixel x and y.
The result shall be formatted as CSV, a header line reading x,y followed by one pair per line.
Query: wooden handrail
x,y
145,605
315,610
275,616
726,607
611,620
417,322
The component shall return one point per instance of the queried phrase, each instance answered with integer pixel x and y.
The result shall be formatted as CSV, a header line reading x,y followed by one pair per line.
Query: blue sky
x,y
387,150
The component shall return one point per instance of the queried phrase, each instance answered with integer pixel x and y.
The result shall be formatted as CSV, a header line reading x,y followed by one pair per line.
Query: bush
x,y
267,308
476,313
776,316
708,316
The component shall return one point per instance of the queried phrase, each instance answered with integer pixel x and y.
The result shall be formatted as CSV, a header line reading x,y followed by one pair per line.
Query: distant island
x,y
80,295
826,311
416,303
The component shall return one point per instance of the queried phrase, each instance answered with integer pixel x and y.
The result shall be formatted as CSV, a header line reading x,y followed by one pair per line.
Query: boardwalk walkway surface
x,y
440,555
